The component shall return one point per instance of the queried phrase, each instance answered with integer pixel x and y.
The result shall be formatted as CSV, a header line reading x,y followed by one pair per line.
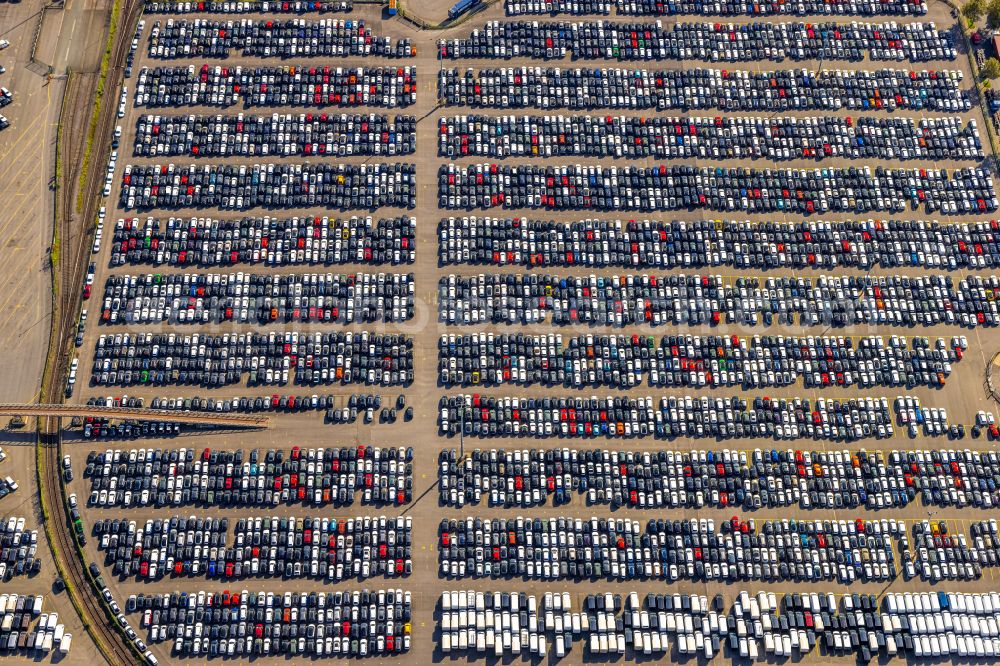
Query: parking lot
x,y
33,114
22,503
363,254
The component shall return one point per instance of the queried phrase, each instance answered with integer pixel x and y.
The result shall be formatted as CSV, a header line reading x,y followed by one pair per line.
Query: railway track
x,y
95,614
112,643
74,269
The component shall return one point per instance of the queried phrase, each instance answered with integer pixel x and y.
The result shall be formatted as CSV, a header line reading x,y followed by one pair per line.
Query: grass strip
x,y
98,102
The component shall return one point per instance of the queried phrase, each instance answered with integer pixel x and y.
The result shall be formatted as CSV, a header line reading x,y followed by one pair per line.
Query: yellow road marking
x,y
38,118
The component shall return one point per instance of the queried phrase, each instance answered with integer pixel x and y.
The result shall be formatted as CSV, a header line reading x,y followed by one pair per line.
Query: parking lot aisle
x,y
308,430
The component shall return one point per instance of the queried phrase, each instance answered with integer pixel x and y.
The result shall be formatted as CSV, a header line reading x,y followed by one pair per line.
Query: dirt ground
x,y
963,395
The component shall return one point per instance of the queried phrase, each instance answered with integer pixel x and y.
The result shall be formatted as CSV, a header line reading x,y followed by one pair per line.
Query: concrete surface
x,y
20,464
26,168
963,395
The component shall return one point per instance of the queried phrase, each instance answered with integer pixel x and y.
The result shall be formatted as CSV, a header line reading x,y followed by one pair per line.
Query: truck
x,y
393,7
65,643
461,7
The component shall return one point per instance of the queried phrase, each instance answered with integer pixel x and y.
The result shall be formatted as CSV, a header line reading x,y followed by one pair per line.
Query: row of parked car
x,y
761,626
257,297
274,403
366,407
18,638
267,38
666,188
624,362
18,547
690,417
283,185
536,87
247,6
206,241
290,85
942,555
337,409
275,358
716,7
741,137
329,549
123,624
845,551
7,484
229,624
624,300
340,476
103,428
335,412
863,244
749,480
97,428
130,56
334,135
715,42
